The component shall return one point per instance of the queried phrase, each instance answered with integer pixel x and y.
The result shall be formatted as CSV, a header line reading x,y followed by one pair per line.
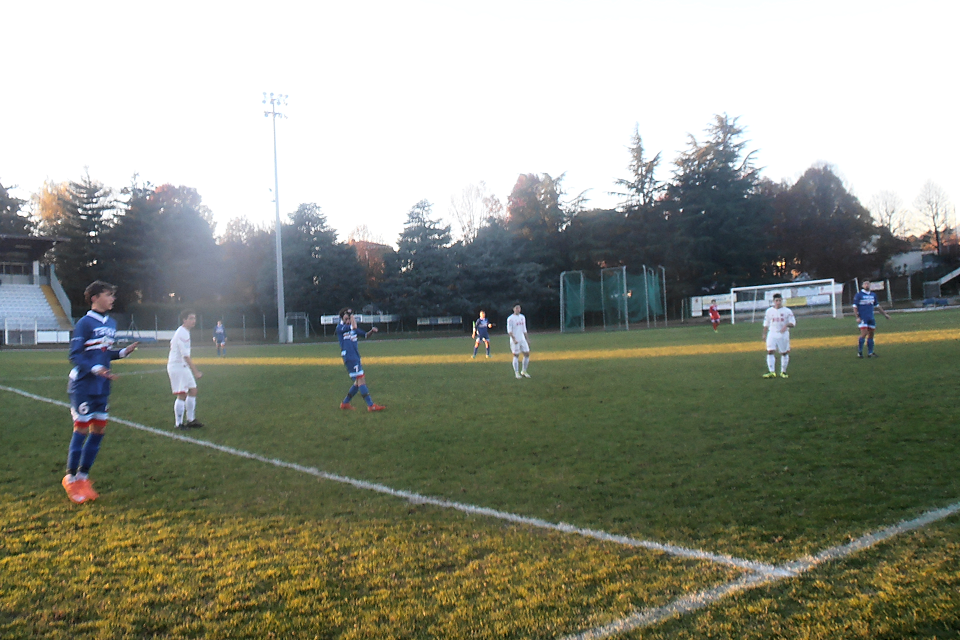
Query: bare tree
x,y
473,208
362,233
934,208
888,211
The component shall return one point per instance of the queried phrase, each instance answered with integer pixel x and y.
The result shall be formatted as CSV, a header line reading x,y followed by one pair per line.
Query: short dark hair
x,y
777,295
343,311
95,288
186,313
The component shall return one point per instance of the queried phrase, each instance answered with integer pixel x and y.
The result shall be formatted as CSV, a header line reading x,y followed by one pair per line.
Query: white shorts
x,y
778,342
519,346
181,378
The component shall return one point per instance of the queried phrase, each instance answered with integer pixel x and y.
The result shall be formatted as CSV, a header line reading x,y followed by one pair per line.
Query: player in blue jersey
x,y
348,334
863,305
220,338
481,331
89,387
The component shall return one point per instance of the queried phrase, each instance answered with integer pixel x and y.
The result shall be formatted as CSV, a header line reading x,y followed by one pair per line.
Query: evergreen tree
x,y
85,213
132,246
12,221
822,230
423,273
184,247
321,275
540,224
716,216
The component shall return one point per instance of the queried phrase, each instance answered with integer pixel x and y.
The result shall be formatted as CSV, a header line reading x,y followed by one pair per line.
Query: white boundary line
x,y
416,498
64,377
690,603
759,573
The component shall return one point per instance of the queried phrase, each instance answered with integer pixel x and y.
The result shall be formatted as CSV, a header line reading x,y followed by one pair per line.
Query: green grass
x,y
694,450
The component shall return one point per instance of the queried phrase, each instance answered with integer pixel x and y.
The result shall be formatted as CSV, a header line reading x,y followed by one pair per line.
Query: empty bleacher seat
x,y
26,302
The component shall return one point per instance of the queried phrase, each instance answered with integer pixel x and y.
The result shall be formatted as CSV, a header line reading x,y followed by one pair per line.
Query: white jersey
x,y
517,326
779,320
179,347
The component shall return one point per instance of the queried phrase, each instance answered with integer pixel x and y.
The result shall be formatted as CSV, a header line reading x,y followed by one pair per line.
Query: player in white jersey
x,y
517,330
776,333
183,374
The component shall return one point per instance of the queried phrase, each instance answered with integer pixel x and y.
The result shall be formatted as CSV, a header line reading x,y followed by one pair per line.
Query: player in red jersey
x,y
714,315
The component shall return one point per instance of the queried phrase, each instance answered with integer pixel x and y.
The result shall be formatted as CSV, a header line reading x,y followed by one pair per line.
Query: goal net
x,y
614,301
813,297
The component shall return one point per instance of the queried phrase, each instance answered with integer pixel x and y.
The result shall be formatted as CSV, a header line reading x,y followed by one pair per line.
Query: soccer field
x,y
645,484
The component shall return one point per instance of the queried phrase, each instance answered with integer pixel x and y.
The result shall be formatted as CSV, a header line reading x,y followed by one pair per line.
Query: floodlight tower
x,y
278,100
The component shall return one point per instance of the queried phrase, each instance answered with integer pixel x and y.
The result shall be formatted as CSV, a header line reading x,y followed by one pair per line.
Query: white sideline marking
x,y
760,573
687,604
416,498
64,377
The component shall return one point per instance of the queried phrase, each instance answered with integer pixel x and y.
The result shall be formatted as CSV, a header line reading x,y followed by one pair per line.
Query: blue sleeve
x,y
79,356
361,332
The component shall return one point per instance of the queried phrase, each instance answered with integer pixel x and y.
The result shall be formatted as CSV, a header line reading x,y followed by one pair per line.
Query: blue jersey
x,y
90,349
348,336
482,326
220,333
865,301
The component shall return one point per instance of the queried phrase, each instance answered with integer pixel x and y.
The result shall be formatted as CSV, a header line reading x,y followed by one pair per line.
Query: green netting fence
x,y
614,300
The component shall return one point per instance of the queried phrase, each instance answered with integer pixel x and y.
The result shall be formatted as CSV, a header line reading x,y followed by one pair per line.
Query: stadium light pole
x,y
279,99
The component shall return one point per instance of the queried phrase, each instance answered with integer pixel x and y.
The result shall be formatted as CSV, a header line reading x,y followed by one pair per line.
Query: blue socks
x,y
363,392
860,345
350,394
73,454
90,450
366,395
869,346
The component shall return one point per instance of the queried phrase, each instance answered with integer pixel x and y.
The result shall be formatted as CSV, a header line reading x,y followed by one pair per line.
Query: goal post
x,y
811,297
572,301
613,292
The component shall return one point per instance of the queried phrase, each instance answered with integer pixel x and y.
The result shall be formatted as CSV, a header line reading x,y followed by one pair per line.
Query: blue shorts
x,y
483,336
86,408
868,324
354,368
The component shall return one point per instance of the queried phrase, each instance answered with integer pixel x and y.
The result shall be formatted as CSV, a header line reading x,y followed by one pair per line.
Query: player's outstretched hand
x,y
130,349
373,330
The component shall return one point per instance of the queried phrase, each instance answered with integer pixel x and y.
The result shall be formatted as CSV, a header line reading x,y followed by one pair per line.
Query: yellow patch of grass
x,y
832,342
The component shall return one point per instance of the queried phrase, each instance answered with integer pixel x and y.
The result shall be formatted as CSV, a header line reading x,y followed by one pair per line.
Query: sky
x,y
394,102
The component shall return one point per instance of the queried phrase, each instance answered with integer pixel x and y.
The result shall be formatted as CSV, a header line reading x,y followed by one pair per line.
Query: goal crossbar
x,y
820,290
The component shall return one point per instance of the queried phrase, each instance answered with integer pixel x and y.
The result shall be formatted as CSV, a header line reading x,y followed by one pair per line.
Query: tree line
x,y
715,223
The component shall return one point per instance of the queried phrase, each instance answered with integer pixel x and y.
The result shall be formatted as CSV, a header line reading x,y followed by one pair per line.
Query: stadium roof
x,y
20,248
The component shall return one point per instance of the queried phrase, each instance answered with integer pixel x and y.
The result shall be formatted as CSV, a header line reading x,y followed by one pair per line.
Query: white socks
x,y
772,362
526,361
191,408
179,406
